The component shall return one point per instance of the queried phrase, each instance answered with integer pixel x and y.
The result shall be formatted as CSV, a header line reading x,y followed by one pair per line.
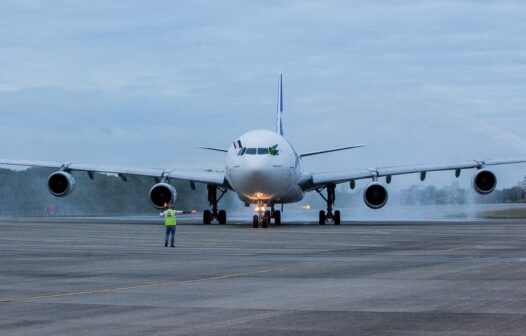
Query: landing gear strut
x,y
331,197
219,215
265,216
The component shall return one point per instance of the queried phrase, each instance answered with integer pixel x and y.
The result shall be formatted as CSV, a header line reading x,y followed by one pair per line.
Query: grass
x,y
505,214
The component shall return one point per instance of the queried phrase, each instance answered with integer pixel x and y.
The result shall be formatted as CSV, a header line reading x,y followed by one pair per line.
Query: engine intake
x,y
162,193
484,181
375,195
60,184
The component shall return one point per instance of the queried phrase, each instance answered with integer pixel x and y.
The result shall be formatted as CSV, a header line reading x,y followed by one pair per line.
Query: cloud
x,y
122,81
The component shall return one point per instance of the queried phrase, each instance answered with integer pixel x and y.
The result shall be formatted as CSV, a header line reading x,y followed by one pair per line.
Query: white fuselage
x,y
263,167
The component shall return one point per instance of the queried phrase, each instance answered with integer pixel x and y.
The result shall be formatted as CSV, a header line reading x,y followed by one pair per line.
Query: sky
x,y
143,83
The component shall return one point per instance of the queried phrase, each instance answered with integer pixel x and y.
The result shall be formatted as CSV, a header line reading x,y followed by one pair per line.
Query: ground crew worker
x,y
170,223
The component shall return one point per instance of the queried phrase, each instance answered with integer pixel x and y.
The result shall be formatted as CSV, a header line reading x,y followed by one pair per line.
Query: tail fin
x,y
279,124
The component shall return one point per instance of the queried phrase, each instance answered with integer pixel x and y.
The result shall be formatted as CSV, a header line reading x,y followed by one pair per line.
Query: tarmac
x,y
115,277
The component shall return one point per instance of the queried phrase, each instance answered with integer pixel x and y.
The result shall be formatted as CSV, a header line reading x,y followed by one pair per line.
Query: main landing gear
x,y
265,216
329,215
214,214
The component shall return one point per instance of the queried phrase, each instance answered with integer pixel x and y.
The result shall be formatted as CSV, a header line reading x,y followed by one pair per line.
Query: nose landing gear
x,y
329,215
265,216
214,214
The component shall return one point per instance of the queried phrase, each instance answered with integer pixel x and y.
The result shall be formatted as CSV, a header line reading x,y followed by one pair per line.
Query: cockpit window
x,y
254,151
250,151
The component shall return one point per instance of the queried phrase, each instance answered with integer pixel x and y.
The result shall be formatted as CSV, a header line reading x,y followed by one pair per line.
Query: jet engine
x,y
375,195
484,181
60,183
162,193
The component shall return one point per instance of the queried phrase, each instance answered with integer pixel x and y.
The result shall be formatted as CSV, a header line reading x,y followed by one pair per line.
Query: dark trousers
x,y
170,229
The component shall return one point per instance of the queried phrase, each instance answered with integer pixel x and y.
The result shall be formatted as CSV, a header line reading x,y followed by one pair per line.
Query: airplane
x,y
264,169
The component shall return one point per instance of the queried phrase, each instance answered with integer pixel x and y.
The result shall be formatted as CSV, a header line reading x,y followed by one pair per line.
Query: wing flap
x,y
208,177
324,178
116,170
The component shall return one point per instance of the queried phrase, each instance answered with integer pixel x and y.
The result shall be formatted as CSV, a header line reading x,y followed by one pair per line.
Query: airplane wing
x,y
208,177
213,149
330,150
316,180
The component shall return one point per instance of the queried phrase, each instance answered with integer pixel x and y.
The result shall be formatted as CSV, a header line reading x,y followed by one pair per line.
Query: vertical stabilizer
x,y
279,124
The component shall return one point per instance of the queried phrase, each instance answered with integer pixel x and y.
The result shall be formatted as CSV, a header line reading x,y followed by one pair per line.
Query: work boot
x,y
165,244
173,245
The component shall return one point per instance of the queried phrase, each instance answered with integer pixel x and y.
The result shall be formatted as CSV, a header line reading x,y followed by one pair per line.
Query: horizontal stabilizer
x,y
213,149
330,150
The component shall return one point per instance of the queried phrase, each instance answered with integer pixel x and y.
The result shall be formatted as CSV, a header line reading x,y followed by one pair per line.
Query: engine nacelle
x,y
484,181
60,184
375,195
161,194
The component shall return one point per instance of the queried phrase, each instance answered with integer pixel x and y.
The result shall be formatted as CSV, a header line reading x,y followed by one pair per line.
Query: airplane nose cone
x,y
261,180
260,183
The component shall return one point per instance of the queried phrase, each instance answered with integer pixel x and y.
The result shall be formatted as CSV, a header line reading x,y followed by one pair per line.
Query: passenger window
x,y
250,151
241,152
262,151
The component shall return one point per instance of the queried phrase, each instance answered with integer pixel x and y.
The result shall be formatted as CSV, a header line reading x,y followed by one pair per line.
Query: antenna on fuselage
x,y
279,124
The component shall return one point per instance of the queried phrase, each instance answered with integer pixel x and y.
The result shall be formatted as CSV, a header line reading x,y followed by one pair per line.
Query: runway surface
x,y
115,277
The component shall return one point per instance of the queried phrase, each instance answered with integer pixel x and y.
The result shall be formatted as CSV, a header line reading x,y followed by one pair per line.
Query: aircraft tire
x,y
322,217
222,217
337,217
207,217
255,221
277,217
266,220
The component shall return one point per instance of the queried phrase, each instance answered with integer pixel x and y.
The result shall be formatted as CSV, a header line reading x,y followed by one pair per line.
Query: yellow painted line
x,y
159,284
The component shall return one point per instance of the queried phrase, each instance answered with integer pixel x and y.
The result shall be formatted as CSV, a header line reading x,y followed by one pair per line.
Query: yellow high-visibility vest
x,y
169,217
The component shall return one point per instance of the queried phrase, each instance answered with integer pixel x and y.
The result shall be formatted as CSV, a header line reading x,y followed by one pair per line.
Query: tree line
x,y
25,193
425,195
